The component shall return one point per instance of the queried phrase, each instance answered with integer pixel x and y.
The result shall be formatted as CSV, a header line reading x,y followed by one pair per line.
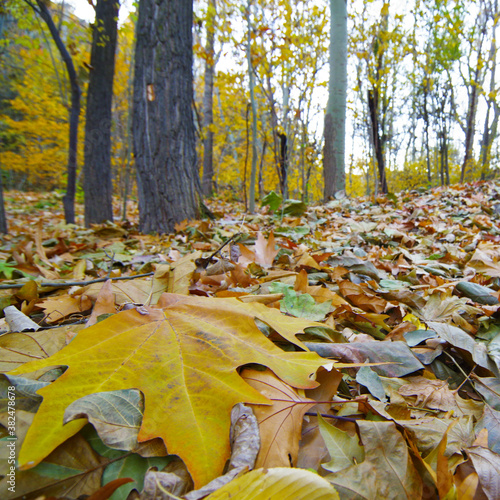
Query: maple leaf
x,y
183,356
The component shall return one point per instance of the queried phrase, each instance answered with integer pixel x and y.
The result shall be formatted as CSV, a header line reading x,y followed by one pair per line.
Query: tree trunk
x,y
97,183
490,132
334,149
208,97
470,129
378,142
253,171
3,218
69,197
163,127
426,118
469,135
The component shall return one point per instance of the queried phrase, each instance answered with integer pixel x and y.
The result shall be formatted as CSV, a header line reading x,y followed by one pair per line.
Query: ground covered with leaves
x,y
358,339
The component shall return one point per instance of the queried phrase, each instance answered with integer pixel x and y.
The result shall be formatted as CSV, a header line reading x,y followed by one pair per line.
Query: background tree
x,y
69,198
490,126
253,105
163,127
97,183
334,131
208,93
473,83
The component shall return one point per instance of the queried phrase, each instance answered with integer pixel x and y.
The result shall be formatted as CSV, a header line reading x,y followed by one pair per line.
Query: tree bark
x,y
490,132
251,76
3,218
470,129
334,131
207,182
163,127
378,141
97,184
69,198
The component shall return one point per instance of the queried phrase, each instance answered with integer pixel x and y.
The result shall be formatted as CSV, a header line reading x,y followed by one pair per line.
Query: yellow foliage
x,y
121,154
41,110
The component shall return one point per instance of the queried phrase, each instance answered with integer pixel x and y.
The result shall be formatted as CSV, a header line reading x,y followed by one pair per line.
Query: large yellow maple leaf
x,y
183,356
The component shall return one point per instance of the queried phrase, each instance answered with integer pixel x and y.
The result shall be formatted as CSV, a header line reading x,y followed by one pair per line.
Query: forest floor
x,y
402,293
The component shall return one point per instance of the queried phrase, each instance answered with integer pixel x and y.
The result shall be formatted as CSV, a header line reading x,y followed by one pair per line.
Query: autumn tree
x,y
288,50
163,127
97,183
490,127
40,7
334,131
208,95
253,104
473,83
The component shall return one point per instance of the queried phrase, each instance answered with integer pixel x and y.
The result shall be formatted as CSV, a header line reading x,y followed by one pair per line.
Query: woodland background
x,y
154,328
432,65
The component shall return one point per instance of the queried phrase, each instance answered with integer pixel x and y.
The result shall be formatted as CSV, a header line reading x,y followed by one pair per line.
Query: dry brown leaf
x,y
312,451
280,424
104,304
434,394
361,298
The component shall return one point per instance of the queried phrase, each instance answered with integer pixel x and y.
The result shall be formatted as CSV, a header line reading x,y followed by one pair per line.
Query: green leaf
x,y
344,449
135,467
272,200
478,293
417,336
303,306
371,380
393,284
294,208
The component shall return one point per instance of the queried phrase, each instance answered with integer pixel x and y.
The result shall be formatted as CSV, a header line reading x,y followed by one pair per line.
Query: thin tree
x,y
334,131
162,123
474,84
208,98
3,218
97,184
69,198
253,102
378,132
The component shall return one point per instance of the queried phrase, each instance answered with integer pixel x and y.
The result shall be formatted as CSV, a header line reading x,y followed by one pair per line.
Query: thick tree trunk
x,y
334,132
163,127
207,182
69,197
97,183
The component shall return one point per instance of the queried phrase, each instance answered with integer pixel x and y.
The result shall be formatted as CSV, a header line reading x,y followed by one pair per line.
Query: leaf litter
x,y
389,307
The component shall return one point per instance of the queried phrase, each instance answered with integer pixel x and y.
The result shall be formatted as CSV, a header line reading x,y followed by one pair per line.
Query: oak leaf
x,y
183,356
280,424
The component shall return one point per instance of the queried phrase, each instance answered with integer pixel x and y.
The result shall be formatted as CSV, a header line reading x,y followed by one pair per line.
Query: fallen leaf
x,y
73,468
387,471
104,304
280,424
277,484
344,450
487,465
205,340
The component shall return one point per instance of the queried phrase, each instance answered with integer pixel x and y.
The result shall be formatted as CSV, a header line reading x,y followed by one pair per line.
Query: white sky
x,y
85,11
